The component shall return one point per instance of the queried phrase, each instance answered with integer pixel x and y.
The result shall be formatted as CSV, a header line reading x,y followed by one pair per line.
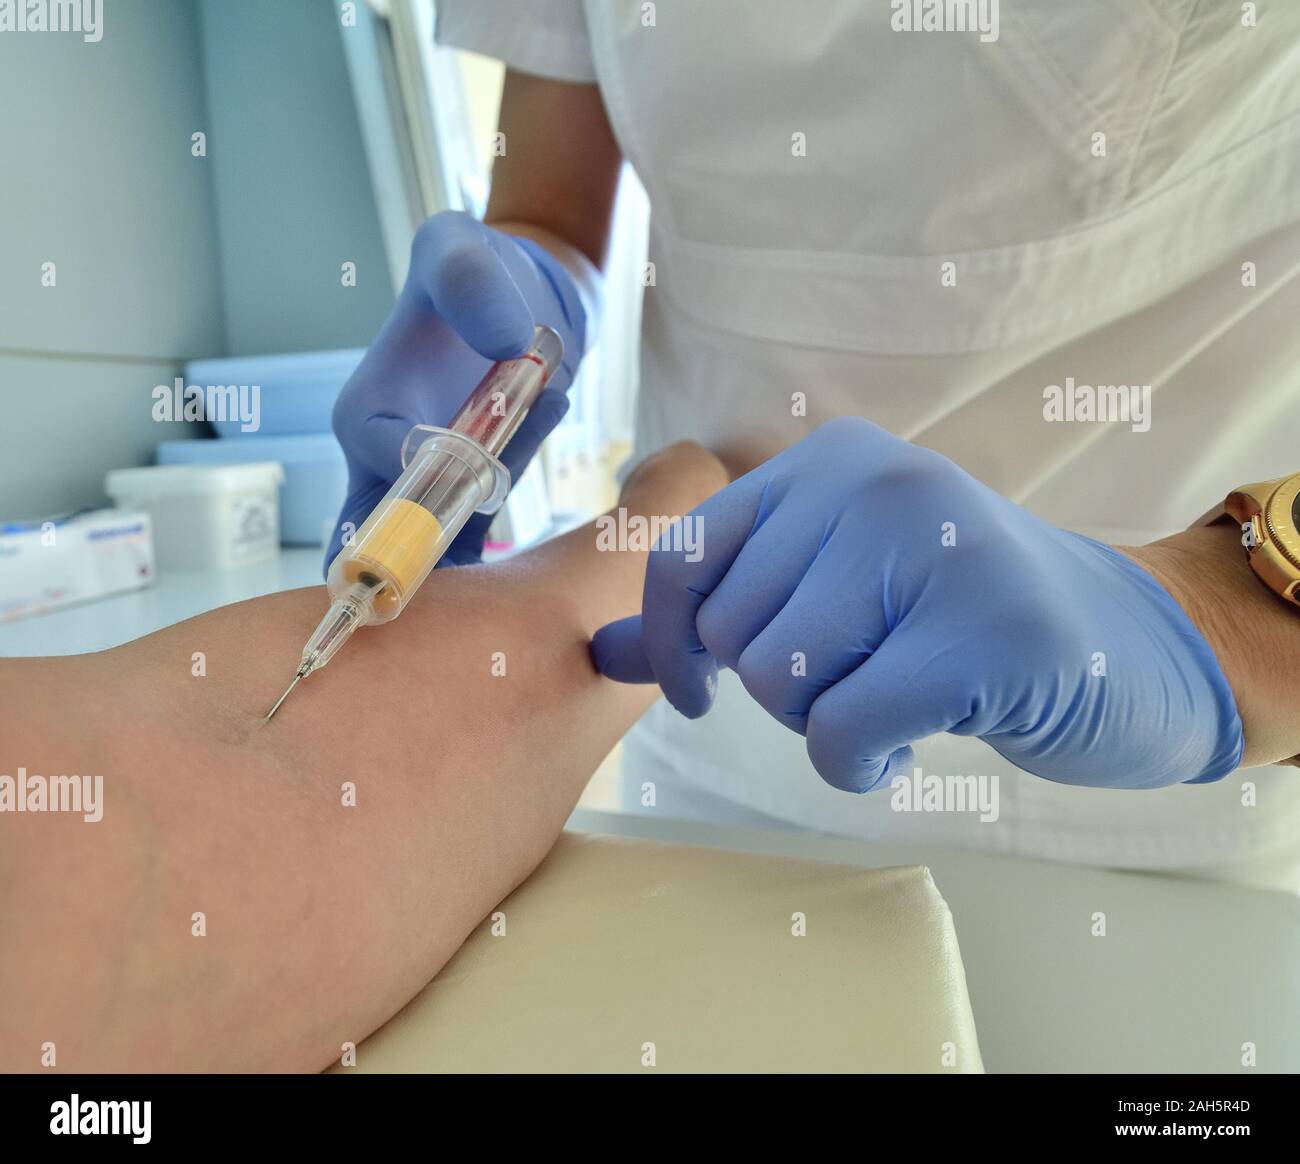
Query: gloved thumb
x,y
617,653
461,269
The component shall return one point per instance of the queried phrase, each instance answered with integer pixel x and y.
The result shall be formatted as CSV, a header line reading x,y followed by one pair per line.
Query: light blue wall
x,y
97,177
293,195
163,257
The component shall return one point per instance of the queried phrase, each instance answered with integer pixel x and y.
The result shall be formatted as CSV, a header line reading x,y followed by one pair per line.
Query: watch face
x,y
1282,518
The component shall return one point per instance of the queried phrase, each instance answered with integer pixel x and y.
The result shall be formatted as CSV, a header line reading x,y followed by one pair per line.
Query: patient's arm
x,y
321,920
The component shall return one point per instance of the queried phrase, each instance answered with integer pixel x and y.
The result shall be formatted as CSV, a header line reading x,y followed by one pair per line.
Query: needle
x,y
296,679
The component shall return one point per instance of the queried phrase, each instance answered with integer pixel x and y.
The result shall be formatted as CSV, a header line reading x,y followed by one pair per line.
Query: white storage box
x,y
205,516
47,565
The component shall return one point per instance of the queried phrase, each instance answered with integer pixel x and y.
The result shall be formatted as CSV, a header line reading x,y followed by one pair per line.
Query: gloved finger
x,y
616,652
457,270
364,492
899,762
676,587
911,688
374,448
763,578
835,620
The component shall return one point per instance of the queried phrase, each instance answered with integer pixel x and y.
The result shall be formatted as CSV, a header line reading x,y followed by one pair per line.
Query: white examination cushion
x,y
613,945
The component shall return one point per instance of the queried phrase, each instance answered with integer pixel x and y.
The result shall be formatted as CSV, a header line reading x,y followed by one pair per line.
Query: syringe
x,y
449,475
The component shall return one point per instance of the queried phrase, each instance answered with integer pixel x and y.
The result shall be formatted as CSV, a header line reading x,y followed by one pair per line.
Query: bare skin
x,y
1254,633
557,180
321,919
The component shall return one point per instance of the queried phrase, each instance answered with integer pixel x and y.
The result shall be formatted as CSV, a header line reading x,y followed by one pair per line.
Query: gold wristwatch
x,y
1269,516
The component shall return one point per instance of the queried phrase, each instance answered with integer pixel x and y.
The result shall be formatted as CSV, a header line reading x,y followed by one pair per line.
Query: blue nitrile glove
x,y
472,296
869,593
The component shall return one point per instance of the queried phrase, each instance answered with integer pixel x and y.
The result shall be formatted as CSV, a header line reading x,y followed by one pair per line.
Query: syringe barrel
x,y
448,478
449,475
495,409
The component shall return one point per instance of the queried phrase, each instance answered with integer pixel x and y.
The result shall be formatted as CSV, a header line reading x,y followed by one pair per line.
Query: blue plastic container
x,y
296,392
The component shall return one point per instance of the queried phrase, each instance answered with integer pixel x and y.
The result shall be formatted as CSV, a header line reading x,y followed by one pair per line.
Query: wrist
x,y
1254,636
568,291
673,481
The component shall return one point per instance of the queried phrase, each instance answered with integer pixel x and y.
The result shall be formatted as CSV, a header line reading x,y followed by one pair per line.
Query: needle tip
x,y
276,706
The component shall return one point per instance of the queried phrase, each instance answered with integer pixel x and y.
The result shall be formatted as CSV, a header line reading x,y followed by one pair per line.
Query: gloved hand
x,y
472,296
869,593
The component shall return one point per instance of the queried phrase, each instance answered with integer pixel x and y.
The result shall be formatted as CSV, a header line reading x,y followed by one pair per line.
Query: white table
x,y
1188,972
107,622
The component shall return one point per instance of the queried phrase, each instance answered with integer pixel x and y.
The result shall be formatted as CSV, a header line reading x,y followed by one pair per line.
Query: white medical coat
x,y
929,229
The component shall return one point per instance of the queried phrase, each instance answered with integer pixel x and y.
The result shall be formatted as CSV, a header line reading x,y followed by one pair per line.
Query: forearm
x,y
557,174
468,729
556,179
1255,635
